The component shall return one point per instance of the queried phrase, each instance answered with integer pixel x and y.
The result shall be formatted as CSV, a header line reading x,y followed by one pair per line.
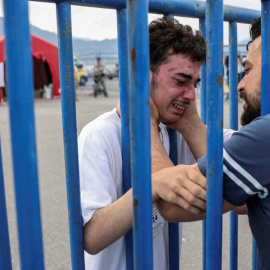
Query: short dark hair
x,y
167,36
254,31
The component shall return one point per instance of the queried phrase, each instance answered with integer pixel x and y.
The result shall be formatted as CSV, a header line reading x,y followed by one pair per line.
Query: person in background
x,y
240,67
227,67
99,77
76,82
226,83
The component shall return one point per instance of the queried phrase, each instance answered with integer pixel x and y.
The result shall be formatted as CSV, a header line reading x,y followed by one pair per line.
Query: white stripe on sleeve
x,y
262,191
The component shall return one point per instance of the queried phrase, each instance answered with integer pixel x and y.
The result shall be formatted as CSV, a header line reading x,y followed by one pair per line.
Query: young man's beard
x,y
253,109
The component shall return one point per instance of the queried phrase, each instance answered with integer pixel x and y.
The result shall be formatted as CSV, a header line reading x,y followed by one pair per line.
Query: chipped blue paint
x,y
139,100
214,36
233,81
24,156
173,227
124,100
5,255
70,134
265,109
21,111
202,23
187,8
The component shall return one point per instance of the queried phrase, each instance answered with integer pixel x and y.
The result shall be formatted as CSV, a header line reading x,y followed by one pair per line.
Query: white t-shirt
x,y
100,164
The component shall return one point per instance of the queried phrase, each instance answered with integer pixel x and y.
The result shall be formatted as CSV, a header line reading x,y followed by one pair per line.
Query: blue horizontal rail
x,y
186,8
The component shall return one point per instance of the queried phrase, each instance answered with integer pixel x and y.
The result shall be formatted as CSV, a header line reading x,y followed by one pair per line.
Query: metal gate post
x,y
173,227
5,255
265,88
22,125
233,82
214,21
124,100
202,23
138,48
70,134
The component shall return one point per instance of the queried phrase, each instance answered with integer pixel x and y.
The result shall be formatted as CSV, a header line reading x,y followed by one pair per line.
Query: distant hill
x,y
80,45
83,46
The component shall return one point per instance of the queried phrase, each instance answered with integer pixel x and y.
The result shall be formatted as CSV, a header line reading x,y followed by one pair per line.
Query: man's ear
x,y
118,109
150,75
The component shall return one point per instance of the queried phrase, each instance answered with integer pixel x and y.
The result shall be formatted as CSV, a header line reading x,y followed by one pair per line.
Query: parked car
x,y
81,75
111,71
90,70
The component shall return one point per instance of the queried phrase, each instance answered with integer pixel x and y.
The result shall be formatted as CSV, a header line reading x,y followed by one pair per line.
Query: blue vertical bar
x,y
265,88
214,20
233,77
233,81
254,254
5,255
265,95
124,100
70,134
174,246
173,227
138,47
256,261
22,124
202,24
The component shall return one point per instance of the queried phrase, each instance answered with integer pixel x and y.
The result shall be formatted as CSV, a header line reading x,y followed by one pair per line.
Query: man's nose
x,y
241,85
190,93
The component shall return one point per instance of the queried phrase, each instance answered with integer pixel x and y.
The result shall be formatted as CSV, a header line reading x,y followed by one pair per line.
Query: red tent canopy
x,y
41,49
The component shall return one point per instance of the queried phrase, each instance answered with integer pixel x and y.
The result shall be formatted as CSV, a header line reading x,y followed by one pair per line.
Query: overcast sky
x,y
100,24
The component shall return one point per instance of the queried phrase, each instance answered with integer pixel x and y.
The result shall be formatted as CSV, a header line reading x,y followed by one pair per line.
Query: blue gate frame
x,y
133,66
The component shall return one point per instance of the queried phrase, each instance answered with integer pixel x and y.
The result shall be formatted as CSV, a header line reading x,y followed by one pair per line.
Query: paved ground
x,y
53,193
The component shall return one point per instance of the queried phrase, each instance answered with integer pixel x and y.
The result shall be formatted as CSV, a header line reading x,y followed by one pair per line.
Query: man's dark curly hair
x,y
254,31
167,36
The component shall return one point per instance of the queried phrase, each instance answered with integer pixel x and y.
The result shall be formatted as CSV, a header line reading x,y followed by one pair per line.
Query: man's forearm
x,y
174,213
108,224
194,133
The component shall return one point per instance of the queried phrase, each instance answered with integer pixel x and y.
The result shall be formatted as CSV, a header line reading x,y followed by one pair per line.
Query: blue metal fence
x,y
124,99
134,85
233,125
21,110
70,133
214,86
5,256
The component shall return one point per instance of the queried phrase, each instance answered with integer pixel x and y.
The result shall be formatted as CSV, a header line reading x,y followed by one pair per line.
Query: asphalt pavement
x,y
48,118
